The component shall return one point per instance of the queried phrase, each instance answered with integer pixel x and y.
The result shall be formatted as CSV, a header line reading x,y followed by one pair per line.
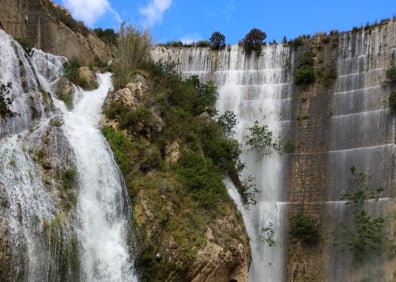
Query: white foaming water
x,y
254,89
28,207
103,226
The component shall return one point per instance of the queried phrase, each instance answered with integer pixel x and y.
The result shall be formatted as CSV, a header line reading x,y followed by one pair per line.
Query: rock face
x,y
50,28
174,245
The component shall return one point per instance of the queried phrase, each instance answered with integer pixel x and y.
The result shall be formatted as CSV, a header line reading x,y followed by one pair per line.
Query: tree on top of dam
x,y
217,41
253,41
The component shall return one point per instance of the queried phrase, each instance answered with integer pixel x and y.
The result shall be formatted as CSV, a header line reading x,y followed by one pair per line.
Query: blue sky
x,y
193,20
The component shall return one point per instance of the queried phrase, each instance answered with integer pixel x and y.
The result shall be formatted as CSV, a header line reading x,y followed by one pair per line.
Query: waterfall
x,y
101,207
254,89
258,90
362,134
45,236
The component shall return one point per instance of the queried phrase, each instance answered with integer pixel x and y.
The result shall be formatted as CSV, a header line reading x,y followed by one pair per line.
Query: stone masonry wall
x,y
312,107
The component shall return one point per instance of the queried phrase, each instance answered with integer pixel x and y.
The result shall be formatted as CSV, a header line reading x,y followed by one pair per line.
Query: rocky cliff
x,y
51,28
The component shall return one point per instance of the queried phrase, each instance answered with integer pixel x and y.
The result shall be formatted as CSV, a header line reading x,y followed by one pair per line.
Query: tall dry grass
x,y
133,49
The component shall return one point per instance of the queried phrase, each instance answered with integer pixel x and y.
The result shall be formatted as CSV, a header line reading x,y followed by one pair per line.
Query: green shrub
x,y
391,73
68,178
5,101
304,75
228,121
107,35
26,44
305,228
121,147
267,235
392,101
202,44
305,59
130,118
261,139
365,235
66,98
248,191
72,72
202,179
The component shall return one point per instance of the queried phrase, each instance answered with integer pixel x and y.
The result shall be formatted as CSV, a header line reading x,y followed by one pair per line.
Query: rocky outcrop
x,y
222,254
178,241
50,27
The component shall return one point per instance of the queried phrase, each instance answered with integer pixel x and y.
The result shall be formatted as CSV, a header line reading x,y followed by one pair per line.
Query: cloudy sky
x,y
186,20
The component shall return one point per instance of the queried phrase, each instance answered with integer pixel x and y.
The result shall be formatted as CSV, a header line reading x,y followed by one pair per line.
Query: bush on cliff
x,y
365,235
174,201
391,73
5,100
392,101
305,73
305,228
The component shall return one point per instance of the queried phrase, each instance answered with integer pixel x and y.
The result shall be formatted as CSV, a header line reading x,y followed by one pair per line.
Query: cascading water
x,y
42,240
346,124
254,89
257,89
101,207
362,135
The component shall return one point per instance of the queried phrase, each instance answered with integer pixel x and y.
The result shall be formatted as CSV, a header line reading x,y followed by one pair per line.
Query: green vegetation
x,y
217,41
131,51
180,44
202,44
365,235
63,247
184,195
66,98
391,73
228,121
248,191
305,73
305,228
202,179
299,41
253,41
5,101
392,101
72,72
107,35
267,235
68,182
261,139
26,45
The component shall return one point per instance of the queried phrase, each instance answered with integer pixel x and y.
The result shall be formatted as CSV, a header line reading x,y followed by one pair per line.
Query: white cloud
x,y
154,10
89,11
